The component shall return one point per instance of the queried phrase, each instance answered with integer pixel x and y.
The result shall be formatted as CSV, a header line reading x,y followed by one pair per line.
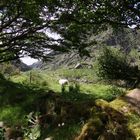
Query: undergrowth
x,y
19,96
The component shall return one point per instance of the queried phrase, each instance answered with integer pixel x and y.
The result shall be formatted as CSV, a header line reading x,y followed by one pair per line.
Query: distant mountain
x,y
65,60
37,65
124,39
20,65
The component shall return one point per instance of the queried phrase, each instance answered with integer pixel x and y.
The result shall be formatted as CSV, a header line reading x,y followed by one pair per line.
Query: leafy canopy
x,y
24,24
114,65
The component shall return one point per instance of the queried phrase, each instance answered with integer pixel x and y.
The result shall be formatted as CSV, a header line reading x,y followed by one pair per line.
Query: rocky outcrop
x,y
105,124
20,65
124,39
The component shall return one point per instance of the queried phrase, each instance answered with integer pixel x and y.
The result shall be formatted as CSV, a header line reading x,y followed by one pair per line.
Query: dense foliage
x,y
114,65
25,25
7,69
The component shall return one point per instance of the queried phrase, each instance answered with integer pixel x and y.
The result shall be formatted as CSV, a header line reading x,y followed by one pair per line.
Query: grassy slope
x,y
18,96
15,101
84,78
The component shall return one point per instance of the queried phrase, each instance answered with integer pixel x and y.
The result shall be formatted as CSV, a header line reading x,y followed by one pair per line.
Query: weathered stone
x,y
91,130
12,133
102,103
1,124
49,138
78,66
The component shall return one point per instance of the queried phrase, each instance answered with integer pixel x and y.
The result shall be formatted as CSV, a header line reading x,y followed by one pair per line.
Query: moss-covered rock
x,y
101,103
91,130
13,133
106,123
128,110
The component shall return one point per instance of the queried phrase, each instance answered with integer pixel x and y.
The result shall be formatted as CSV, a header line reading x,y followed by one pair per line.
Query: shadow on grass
x,y
74,93
13,93
68,107
66,132
103,123
17,100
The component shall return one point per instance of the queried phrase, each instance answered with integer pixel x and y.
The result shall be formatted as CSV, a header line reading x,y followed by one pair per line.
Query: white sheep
x,y
63,82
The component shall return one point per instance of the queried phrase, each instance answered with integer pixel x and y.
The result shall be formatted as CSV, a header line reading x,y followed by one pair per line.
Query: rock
x,y
102,103
83,65
91,130
125,109
134,96
78,66
1,124
8,133
19,138
49,138
12,133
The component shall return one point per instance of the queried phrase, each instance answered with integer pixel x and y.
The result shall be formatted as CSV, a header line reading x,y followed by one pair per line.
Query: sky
x,y
28,60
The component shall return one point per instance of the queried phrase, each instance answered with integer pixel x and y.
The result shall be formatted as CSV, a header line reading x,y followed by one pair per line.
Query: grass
x,y
83,74
101,91
66,132
12,115
49,80
19,96
16,101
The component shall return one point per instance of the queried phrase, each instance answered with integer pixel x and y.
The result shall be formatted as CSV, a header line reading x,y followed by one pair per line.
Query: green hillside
x,y
127,40
34,106
85,82
61,115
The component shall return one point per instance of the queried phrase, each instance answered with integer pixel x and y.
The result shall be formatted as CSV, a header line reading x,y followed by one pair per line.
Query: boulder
x,y
91,130
13,133
78,66
1,124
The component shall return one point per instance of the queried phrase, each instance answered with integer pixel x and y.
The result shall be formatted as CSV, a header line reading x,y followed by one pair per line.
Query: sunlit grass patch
x,y
12,115
82,75
101,91
49,80
22,78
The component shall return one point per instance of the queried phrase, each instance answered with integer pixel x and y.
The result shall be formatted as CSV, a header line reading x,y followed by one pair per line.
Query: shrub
x,y
7,69
113,65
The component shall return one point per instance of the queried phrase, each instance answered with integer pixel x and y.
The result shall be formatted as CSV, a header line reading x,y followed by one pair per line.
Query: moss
x,y
92,129
101,103
134,124
118,103
133,119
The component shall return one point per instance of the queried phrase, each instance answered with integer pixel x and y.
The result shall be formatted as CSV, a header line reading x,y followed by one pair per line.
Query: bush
x,y
7,69
113,65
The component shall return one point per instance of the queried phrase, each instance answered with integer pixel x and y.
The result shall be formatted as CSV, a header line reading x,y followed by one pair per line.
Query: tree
x,y
22,30
23,24
114,65
7,69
